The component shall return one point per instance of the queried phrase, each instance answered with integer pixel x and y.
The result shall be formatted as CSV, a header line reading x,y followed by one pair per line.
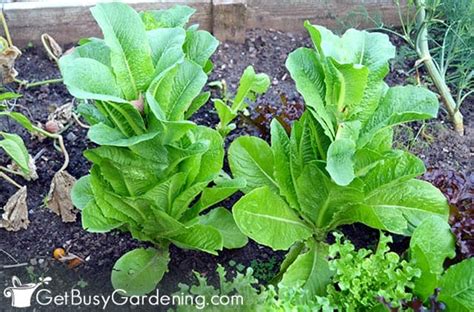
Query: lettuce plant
x,y
337,166
362,276
152,171
251,84
364,279
243,285
431,244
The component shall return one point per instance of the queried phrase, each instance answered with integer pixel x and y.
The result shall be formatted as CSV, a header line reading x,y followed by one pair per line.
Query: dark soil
x,y
267,51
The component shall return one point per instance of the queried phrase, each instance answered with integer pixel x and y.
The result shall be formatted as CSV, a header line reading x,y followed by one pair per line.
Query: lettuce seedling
x,y
337,166
250,85
152,170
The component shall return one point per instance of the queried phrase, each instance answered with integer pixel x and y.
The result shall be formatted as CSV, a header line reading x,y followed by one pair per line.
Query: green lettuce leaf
x,y
200,237
282,171
166,47
130,51
457,287
266,218
221,219
310,270
431,243
94,221
251,158
199,46
81,193
177,16
175,91
87,78
399,105
307,71
399,211
250,85
138,271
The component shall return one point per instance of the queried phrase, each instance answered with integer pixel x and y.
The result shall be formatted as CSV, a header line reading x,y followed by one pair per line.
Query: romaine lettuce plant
x,y
337,166
152,171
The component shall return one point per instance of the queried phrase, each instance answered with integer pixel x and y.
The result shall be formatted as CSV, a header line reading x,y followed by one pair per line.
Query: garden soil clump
x,y
434,142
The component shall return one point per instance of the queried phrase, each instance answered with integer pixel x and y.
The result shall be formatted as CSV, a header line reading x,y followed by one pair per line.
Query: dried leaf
x,y
33,172
59,197
52,45
32,175
15,216
7,61
61,116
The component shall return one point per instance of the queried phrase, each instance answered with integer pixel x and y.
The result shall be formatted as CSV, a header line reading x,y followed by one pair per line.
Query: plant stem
x,y
11,171
9,256
9,180
12,266
76,118
65,153
290,257
423,51
27,84
5,28
61,144
44,82
401,36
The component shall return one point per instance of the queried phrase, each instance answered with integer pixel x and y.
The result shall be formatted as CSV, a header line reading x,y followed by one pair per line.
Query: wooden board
x,y
229,19
290,15
68,21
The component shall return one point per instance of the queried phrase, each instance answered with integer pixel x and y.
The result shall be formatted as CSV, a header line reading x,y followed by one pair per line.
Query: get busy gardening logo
x,y
21,294
26,295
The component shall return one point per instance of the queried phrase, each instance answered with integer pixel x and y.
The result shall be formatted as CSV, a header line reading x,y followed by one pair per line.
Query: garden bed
x,y
267,52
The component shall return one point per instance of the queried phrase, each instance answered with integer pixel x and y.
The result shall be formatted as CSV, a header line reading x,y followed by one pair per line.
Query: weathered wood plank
x,y
290,15
229,19
68,21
